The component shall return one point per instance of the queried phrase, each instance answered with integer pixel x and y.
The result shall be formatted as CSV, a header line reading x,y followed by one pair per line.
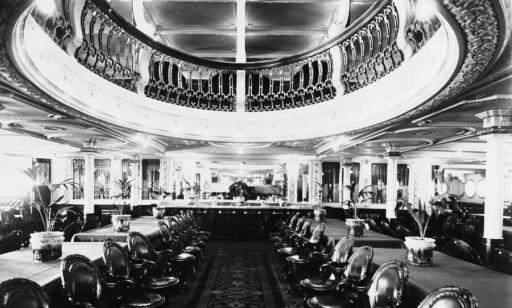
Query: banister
x,y
222,65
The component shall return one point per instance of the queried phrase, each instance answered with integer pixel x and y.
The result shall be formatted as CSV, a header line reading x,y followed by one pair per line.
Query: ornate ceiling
x,y
273,28
443,126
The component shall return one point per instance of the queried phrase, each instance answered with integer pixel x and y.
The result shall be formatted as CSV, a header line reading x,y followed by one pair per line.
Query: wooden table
x,y
491,288
336,228
146,225
20,264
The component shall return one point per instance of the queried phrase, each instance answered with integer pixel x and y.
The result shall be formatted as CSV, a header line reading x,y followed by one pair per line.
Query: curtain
x,y
403,180
101,178
330,182
379,178
78,177
150,176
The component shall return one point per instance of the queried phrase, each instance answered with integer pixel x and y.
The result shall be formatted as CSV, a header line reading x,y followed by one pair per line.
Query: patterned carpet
x,y
238,275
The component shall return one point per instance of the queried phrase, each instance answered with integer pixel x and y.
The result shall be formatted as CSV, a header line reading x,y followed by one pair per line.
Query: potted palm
x,y
187,191
355,226
420,249
121,222
159,210
47,245
239,190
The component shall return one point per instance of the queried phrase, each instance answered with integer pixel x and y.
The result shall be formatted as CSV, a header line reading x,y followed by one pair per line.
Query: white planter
x,y
121,223
158,212
419,251
46,246
355,227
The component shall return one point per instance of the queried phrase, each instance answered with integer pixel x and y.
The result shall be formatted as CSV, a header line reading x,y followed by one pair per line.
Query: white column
x,y
135,191
115,175
241,55
346,181
495,182
291,173
501,121
89,183
422,177
391,187
316,182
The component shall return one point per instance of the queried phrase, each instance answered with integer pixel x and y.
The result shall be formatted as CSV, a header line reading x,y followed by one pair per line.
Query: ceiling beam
x,y
249,31
232,54
321,2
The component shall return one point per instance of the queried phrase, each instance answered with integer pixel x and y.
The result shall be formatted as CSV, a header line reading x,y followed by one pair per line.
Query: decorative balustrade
x,y
183,84
115,50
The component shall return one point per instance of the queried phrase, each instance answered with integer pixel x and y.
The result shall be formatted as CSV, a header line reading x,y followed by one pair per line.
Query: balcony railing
x,y
114,49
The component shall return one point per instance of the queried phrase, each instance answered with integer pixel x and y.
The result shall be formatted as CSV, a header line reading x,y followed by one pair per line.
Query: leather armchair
x,y
502,260
462,250
388,285
122,280
12,241
335,268
81,281
141,251
23,293
449,297
283,226
354,279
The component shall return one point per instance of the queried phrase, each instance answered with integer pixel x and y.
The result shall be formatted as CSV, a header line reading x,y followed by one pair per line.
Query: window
x,y
353,181
379,178
403,181
101,178
78,177
125,168
150,176
330,182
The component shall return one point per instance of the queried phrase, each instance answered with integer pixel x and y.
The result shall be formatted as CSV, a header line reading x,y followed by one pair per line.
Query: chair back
x,y
462,250
329,246
299,224
373,225
192,218
449,297
8,219
80,280
387,229
12,241
388,284
140,247
317,233
71,229
105,220
305,231
90,223
343,250
181,223
23,293
174,227
116,260
165,232
502,260
293,221
359,264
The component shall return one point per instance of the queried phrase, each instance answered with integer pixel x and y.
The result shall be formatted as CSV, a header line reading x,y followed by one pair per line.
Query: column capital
x,y
496,121
392,150
89,146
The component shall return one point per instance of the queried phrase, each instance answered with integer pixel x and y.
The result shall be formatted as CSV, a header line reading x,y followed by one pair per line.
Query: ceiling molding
x,y
466,102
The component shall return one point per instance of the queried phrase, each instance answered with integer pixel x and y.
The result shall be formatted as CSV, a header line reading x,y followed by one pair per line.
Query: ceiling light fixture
x,y
47,7
424,10
339,141
143,140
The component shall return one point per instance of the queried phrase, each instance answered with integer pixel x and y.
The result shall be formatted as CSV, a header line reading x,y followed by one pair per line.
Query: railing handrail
x,y
247,66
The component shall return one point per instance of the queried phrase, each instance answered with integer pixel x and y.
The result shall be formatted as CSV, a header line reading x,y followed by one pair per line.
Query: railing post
x,y
240,91
241,55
